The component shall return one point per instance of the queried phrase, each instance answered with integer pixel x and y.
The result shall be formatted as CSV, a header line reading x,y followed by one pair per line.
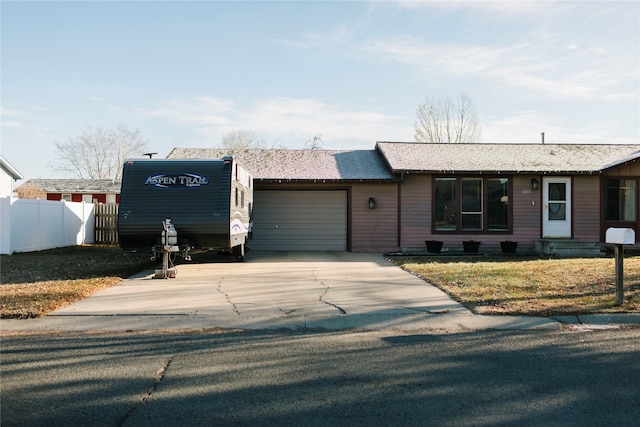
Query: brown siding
x,y
630,169
374,230
586,207
527,211
415,195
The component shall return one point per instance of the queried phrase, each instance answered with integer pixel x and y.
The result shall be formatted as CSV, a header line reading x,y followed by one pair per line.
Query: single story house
x,y
547,197
8,175
78,190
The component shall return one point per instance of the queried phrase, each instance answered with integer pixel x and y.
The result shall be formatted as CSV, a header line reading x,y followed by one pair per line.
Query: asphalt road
x,y
484,378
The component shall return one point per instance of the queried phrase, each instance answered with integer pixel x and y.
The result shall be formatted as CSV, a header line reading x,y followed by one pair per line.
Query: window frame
x,y
484,204
605,223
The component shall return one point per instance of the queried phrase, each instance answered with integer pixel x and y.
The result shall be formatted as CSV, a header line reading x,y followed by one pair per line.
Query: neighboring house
x,y
78,190
8,175
401,194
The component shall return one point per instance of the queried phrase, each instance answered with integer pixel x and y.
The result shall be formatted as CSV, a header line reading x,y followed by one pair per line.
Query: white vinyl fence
x,y
32,225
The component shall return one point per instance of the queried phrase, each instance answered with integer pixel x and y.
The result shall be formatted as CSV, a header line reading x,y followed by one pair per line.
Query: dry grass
x,y
539,287
35,283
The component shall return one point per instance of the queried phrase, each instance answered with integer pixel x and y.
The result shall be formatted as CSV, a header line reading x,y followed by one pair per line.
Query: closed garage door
x,y
299,220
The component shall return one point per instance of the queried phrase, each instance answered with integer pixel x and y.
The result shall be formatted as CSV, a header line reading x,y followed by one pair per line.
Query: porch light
x,y
534,183
372,203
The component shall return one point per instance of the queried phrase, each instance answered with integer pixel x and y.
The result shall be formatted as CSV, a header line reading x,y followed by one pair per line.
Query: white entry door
x,y
556,207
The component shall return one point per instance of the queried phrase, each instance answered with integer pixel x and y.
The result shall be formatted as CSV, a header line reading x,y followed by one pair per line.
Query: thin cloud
x,y
11,124
526,127
506,8
522,65
290,120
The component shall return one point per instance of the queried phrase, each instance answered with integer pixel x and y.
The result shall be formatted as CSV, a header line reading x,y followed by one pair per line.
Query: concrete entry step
x,y
569,247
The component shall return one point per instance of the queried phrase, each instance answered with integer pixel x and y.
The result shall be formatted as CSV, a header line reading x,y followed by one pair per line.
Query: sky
x,y
353,72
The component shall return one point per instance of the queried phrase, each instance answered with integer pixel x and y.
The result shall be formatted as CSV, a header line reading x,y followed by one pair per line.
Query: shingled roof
x,y
85,186
510,158
300,165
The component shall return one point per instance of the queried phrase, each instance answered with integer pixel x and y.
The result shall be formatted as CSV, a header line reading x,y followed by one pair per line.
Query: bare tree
x,y
241,140
98,153
315,143
447,120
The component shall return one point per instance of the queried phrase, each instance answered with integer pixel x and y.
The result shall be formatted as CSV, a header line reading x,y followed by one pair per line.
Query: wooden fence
x,y
106,229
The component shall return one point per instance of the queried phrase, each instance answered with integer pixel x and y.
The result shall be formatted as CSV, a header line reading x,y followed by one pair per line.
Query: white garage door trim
x,y
309,220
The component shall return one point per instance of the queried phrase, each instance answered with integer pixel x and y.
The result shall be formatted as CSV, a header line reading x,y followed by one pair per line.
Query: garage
x,y
310,220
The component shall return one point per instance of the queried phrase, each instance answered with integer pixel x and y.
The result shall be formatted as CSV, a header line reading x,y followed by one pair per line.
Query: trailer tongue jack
x,y
167,247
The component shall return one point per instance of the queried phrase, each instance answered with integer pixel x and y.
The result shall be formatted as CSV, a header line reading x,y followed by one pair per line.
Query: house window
x,y
66,197
471,204
620,200
497,204
445,204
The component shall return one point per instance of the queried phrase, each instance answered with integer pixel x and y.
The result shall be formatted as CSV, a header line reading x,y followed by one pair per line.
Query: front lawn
x,y
541,287
34,283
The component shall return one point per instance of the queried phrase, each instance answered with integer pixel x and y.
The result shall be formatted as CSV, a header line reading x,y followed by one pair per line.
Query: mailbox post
x,y
620,237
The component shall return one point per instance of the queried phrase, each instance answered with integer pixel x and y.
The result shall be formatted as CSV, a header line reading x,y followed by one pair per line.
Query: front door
x,y
556,207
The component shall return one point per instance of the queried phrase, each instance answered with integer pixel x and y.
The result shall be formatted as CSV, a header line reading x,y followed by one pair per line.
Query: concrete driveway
x,y
295,290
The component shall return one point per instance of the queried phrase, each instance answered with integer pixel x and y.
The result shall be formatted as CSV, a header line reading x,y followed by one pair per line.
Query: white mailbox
x,y
621,236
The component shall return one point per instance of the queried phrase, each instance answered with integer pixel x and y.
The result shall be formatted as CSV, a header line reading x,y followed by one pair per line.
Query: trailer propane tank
x,y
169,233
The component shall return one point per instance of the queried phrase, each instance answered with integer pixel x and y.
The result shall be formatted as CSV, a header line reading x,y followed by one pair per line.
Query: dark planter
x,y
433,246
508,247
471,246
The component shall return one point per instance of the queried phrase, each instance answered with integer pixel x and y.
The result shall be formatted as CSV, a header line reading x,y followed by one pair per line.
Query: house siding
x,y
6,184
77,197
526,213
415,211
374,230
629,169
586,207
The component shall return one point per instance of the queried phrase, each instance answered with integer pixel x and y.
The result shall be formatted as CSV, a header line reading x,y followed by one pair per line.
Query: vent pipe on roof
x,y
542,134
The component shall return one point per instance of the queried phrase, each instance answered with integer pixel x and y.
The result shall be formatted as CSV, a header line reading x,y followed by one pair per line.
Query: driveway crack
x,y
233,306
321,299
